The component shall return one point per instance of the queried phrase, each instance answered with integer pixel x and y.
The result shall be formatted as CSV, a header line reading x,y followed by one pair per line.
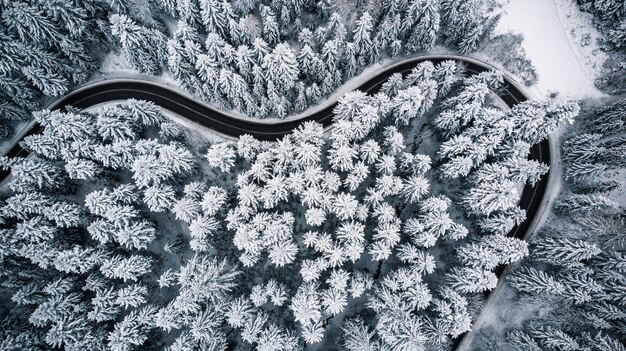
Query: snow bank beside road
x,y
548,46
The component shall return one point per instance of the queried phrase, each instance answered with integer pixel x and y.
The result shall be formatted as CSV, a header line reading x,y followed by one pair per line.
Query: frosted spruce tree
x,y
144,48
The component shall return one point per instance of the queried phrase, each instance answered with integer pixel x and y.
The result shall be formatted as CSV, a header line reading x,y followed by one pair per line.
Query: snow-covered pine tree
x,y
133,330
270,25
221,155
362,34
143,47
471,279
563,251
126,268
533,281
424,18
585,204
35,174
281,67
492,250
49,83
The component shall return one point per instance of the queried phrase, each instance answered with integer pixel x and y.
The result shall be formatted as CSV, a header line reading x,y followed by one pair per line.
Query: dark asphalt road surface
x,y
192,110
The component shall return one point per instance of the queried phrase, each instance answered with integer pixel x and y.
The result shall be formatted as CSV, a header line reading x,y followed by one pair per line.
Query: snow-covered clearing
x,y
582,34
552,32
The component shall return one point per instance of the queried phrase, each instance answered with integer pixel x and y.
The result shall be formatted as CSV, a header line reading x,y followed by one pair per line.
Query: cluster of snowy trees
x,y
581,270
582,260
78,246
609,16
45,46
576,271
114,235
489,148
273,58
322,205
598,147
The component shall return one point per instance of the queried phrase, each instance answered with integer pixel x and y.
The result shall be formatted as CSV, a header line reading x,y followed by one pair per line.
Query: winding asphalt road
x,y
198,112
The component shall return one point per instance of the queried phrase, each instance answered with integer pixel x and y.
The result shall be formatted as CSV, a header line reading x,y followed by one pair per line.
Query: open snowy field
x,y
553,31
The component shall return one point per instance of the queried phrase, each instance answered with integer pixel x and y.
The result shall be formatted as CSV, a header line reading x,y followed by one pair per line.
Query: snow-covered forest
x,y
274,58
119,233
45,47
261,58
576,272
129,226
49,46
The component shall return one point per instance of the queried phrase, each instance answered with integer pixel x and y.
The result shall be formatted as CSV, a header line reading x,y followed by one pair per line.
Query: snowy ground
x,y
553,32
582,34
19,130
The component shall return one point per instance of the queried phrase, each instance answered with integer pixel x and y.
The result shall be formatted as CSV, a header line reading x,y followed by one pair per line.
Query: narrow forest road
x,y
193,110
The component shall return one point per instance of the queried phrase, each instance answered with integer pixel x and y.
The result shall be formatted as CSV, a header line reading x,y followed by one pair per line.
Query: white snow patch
x,y
114,62
583,35
559,58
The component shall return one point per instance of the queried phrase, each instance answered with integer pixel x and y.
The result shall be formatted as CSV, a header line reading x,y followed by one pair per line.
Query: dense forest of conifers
x,y
122,231
262,58
119,233
576,271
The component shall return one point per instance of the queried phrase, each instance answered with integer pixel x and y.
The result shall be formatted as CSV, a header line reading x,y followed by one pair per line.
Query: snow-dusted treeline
x,y
45,46
118,233
274,58
489,148
576,271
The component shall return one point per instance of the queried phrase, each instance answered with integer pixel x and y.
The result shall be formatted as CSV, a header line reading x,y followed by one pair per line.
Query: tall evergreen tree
x,y
281,67
143,47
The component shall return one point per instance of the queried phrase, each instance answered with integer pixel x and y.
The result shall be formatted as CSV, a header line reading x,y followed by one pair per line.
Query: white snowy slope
x,y
549,47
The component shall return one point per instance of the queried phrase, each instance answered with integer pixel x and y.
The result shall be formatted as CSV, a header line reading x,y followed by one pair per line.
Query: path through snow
x,y
547,44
